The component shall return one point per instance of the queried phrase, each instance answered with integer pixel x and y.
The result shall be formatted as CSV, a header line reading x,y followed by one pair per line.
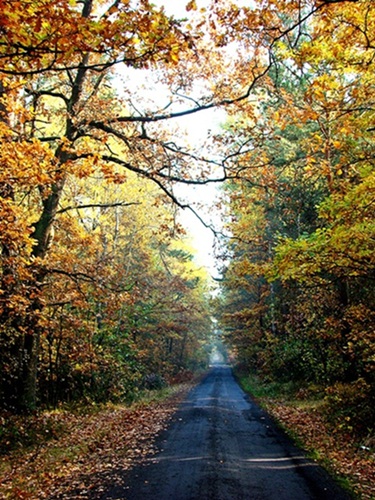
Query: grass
x,y
260,389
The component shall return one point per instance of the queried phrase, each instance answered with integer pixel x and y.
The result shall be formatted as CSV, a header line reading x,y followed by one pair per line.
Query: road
x,y
222,446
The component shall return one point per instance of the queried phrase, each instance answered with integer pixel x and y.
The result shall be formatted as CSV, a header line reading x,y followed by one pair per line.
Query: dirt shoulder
x,y
84,449
352,463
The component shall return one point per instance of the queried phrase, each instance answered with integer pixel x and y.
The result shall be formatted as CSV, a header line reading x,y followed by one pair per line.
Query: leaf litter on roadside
x,y
92,450
344,457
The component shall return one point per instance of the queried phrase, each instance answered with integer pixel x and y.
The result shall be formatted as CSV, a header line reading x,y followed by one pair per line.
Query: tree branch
x,y
153,118
97,205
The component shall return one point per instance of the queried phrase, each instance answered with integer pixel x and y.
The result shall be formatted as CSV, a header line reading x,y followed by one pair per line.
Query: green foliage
x,y
351,407
263,388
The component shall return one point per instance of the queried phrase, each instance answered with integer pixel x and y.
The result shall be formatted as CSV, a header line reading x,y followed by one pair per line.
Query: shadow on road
x,y
221,446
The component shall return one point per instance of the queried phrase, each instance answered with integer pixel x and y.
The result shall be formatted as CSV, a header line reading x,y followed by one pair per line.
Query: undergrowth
x,y
22,432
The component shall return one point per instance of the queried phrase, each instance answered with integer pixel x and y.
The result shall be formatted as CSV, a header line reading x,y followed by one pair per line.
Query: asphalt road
x,y
221,446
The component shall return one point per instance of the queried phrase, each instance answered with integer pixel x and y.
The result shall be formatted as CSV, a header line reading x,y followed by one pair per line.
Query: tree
x,y
58,106
116,306
56,79
311,147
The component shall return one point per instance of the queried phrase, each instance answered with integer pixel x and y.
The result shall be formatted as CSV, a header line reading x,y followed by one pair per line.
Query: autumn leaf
x,y
191,6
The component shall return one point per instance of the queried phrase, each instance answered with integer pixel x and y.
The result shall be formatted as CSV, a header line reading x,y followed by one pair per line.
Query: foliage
x,y
93,294
99,294
120,320
96,289
298,290
350,407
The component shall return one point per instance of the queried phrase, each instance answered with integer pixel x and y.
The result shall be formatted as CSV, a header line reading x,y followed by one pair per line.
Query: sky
x,y
196,126
177,7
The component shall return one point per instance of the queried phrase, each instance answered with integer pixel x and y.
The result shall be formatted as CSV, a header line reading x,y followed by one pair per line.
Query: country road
x,y
221,446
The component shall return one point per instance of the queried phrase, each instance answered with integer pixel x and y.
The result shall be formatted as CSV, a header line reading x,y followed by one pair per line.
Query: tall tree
x,y
311,146
61,120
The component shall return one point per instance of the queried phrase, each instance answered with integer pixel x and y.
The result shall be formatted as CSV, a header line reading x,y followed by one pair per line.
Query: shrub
x,y
153,381
351,407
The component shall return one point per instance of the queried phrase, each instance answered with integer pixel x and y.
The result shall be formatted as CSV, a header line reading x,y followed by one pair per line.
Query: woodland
x,y
100,294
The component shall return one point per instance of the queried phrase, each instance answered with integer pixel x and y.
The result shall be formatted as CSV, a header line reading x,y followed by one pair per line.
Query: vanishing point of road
x,y
222,446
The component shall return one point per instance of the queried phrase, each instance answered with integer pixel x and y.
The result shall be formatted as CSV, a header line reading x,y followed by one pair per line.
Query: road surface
x,y
221,446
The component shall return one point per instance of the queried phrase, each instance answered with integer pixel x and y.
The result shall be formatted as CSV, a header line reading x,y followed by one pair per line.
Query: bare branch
x,y
168,177
153,118
97,205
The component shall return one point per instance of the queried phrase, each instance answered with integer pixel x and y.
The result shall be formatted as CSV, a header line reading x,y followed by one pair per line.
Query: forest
x,y
100,293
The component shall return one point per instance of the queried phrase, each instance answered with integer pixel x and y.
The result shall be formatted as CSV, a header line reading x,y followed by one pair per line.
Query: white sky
x,y
197,126
177,7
